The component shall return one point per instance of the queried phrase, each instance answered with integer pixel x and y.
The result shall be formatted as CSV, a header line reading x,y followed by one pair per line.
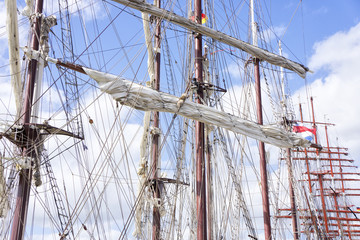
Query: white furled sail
x,y
147,99
222,37
142,171
14,55
4,201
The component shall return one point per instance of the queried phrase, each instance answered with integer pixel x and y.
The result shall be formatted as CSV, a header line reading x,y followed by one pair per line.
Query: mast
x,y
306,154
155,136
143,170
334,193
25,175
292,195
209,195
199,135
263,170
320,174
288,157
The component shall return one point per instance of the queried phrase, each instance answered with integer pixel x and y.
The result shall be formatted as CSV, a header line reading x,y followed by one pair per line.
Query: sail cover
x,y
14,54
143,98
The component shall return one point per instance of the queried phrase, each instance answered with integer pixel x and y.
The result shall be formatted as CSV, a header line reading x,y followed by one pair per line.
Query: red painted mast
x,y
320,175
199,136
263,170
335,194
155,137
320,178
343,190
25,175
329,192
306,154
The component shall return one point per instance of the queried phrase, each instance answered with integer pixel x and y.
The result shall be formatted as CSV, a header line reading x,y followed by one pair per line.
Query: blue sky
x,y
312,21
324,35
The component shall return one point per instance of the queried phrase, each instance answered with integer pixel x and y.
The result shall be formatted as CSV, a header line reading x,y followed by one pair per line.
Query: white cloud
x,y
336,92
88,10
273,33
338,52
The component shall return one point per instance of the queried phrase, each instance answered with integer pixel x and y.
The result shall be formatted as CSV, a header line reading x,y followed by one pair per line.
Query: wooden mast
x,y
199,135
320,174
292,195
263,170
155,137
208,149
288,157
25,175
306,153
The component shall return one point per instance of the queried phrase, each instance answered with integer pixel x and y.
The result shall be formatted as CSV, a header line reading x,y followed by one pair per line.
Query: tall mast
x,y
288,157
334,193
306,154
209,192
199,136
320,174
155,137
263,171
25,175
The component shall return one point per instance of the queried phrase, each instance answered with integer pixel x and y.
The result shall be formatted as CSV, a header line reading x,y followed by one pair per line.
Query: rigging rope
x,y
238,188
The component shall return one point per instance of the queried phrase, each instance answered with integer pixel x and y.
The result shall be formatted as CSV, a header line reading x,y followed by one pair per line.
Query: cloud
x,y
338,52
88,10
273,33
101,173
335,92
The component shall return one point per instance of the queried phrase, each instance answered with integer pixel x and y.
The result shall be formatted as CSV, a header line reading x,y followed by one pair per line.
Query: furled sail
x,y
222,37
4,201
146,99
14,55
143,98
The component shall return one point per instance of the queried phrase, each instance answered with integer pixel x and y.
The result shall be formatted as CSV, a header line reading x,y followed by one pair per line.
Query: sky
x,y
334,59
323,35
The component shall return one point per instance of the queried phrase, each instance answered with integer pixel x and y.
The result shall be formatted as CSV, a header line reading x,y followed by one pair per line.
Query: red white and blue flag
x,y
307,133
